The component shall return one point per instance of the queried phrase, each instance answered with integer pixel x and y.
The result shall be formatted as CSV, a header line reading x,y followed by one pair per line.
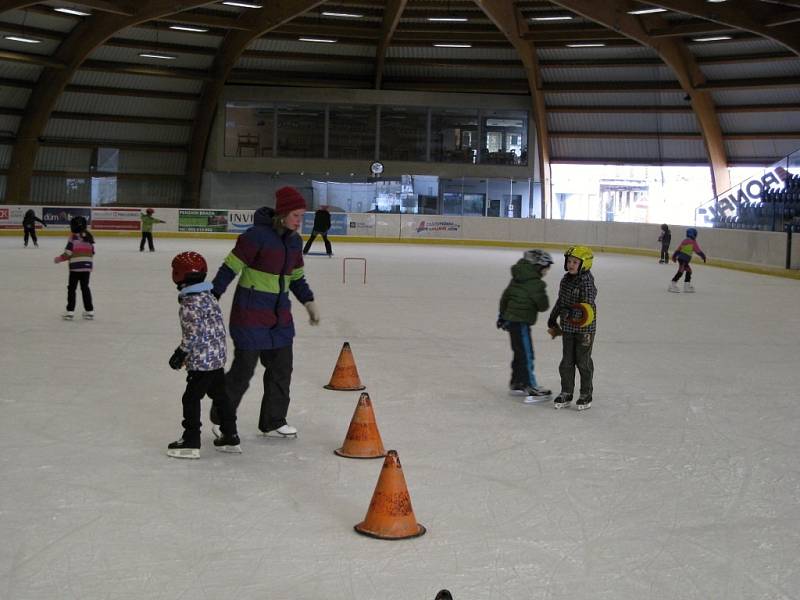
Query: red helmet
x,y
187,263
149,211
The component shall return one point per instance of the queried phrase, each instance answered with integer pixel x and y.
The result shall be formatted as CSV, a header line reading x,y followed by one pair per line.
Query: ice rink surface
x,y
682,481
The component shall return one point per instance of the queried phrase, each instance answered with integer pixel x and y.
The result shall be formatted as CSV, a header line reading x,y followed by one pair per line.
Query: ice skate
x,y
688,288
537,393
284,431
228,443
562,400
183,449
88,315
68,315
584,402
517,389
673,287
35,245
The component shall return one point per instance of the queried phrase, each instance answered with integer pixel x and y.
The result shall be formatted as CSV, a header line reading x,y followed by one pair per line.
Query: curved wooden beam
x,y
676,55
510,21
750,15
391,18
88,35
233,45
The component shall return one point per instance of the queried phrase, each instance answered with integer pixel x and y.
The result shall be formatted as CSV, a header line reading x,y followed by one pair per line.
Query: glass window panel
x,y
404,132
249,129
352,132
301,131
505,139
454,135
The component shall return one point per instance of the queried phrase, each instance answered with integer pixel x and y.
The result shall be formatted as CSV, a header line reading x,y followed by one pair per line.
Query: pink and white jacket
x,y
79,252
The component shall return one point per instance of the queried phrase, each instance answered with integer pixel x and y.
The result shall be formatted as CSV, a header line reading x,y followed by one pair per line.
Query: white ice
x,y
681,482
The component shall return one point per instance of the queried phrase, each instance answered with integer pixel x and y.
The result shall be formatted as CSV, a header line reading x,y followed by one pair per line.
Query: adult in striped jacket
x,y
268,259
80,254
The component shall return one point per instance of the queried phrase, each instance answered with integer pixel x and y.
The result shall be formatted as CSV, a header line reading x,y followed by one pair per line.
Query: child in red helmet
x,y
148,220
203,352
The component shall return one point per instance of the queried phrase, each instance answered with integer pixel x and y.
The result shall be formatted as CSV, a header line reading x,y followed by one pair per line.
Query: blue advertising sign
x,y
338,223
60,216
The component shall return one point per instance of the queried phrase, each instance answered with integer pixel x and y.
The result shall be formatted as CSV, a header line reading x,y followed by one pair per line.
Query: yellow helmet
x,y
583,254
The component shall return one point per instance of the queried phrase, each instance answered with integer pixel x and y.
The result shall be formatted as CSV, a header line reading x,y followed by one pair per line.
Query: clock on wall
x,y
376,168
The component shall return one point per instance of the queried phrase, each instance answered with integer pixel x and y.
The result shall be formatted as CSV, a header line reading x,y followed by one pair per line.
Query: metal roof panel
x,y
142,82
627,122
123,132
594,73
126,105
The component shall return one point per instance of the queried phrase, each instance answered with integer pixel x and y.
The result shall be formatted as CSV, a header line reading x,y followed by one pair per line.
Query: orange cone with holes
x,y
363,440
390,516
345,375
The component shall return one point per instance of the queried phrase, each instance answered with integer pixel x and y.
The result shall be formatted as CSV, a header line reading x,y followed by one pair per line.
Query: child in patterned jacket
x,y
575,309
80,254
203,351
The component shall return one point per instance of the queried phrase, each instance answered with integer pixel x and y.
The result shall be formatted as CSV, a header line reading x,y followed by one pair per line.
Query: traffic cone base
x,y
345,375
363,440
390,515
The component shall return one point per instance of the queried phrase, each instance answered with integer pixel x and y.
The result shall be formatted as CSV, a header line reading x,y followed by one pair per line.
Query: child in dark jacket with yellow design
x,y
521,302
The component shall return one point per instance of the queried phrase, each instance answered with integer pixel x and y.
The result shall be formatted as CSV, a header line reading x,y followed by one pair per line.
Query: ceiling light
x,y
647,11
715,1
242,4
449,19
715,38
318,40
586,45
342,15
453,45
72,11
561,18
24,40
187,28
159,56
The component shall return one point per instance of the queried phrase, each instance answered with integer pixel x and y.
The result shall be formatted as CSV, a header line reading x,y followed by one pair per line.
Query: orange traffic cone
x,y
363,440
345,374
390,516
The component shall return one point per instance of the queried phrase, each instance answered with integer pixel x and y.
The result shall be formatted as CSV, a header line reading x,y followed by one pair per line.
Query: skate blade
x,y
68,317
674,291
183,452
278,436
583,406
516,393
560,406
230,449
537,399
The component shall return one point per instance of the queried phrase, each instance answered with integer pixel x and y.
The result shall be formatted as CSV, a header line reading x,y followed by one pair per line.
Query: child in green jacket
x,y
148,220
523,299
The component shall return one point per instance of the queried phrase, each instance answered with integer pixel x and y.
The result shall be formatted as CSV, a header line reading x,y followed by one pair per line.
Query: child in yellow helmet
x,y
574,318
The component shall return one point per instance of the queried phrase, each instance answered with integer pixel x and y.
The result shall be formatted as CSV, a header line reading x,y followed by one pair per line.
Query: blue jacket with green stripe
x,y
269,265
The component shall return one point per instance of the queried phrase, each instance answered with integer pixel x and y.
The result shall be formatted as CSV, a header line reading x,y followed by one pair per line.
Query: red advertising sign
x,y
116,219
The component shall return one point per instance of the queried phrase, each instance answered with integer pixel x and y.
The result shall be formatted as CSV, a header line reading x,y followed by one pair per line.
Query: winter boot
x,y
536,393
184,449
284,431
673,287
584,402
688,287
68,315
228,443
562,400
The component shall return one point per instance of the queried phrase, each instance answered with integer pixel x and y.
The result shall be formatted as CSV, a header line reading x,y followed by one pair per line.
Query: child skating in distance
x,y
573,318
683,256
80,254
665,239
203,352
29,227
523,299
148,220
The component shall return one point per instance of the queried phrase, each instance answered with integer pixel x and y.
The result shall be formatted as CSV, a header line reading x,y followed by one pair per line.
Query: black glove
x,y
177,359
216,294
552,323
501,323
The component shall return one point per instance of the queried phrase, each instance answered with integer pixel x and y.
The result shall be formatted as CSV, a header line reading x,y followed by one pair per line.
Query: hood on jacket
x,y
524,271
263,216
